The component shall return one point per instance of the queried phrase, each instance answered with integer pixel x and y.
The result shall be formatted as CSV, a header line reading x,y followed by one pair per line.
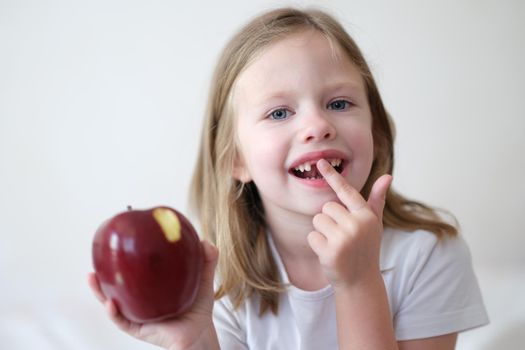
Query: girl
x,y
316,251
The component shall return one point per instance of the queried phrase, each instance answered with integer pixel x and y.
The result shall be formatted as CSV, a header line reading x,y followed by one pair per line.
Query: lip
x,y
315,156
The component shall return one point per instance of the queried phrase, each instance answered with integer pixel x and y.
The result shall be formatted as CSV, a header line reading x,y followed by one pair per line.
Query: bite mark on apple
x,y
169,223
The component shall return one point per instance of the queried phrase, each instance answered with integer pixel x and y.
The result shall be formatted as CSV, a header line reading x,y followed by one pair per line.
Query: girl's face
x,y
297,103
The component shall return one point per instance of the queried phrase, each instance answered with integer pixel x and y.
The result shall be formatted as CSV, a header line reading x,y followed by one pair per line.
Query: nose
x,y
316,127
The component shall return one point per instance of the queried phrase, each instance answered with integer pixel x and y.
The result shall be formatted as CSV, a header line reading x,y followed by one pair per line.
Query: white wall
x,y
101,105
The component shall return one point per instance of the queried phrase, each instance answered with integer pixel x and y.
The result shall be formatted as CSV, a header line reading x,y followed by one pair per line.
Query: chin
x,y
316,208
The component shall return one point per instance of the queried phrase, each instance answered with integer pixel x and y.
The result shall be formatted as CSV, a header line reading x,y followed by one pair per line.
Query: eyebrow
x,y
274,95
352,86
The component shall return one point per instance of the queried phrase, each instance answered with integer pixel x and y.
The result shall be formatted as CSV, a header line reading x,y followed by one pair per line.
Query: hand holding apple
x,y
194,329
149,262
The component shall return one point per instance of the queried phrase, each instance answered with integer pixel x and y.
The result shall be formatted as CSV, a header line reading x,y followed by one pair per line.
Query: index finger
x,y
348,195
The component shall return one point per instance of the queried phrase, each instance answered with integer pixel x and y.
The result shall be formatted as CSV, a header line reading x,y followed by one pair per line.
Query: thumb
x,y
211,255
203,304
377,197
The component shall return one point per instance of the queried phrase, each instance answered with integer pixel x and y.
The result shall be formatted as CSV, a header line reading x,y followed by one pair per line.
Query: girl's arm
x,y
193,330
347,240
363,316
442,342
366,309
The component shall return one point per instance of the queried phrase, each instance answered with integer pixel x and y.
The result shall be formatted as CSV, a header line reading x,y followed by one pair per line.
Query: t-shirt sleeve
x,y
229,330
443,295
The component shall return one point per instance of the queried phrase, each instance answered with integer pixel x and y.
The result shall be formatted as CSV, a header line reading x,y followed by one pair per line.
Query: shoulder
x,y
408,249
229,323
431,284
420,258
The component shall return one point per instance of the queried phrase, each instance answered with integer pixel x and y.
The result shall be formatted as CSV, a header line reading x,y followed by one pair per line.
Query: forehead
x,y
296,60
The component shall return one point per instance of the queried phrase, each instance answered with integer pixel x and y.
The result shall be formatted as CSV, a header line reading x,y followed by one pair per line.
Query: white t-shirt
x,y
431,286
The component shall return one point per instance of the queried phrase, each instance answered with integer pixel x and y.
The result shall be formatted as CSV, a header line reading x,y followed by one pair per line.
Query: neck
x,y
289,232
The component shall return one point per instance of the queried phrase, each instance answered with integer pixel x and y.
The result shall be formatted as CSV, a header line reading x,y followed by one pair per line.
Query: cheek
x,y
367,144
265,160
361,142
265,155
358,136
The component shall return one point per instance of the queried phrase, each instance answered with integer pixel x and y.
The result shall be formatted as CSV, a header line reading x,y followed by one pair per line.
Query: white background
x,y
101,104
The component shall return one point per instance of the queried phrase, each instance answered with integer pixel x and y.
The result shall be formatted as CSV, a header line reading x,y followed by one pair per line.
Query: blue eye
x,y
279,114
338,105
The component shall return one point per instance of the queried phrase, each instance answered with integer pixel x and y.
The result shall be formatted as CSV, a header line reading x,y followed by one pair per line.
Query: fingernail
x,y
322,164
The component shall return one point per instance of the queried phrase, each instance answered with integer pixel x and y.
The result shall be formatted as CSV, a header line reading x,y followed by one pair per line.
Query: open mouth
x,y
308,170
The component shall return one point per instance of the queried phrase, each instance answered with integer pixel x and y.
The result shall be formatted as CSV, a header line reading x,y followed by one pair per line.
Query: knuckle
x,y
350,226
345,187
329,207
318,218
368,217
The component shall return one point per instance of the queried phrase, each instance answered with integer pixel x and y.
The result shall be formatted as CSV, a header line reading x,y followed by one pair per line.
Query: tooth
x,y
335,162
307,166
301,168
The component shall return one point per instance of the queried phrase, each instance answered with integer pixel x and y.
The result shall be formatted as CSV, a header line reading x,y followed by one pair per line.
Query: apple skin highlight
x,y
149,262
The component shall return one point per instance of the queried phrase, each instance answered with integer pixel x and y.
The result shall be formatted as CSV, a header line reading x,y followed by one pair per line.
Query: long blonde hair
x,y
230,213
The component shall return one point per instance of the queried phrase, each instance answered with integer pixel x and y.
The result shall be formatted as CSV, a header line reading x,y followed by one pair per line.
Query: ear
x,y
240,170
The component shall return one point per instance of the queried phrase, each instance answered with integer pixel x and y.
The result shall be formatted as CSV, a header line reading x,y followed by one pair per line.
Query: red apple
x,y
149,262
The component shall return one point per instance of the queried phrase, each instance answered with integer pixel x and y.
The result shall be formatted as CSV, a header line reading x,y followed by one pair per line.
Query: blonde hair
x,y
230,213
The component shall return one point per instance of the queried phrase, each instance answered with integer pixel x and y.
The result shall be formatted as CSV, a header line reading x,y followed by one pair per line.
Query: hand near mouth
x,y
347,236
